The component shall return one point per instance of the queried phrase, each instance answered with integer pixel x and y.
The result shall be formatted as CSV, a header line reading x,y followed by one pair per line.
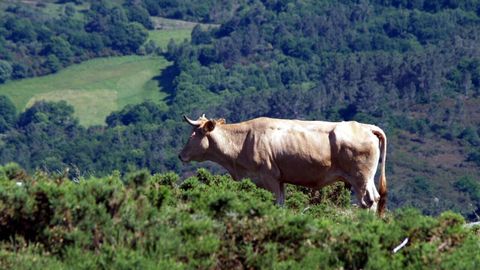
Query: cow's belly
x,y
307,174
306,161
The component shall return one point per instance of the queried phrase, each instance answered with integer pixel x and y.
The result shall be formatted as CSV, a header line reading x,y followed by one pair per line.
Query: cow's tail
x,y
383,180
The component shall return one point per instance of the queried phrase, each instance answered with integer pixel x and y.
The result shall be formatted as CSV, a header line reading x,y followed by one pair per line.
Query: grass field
x,y
95,87
162,37
178,30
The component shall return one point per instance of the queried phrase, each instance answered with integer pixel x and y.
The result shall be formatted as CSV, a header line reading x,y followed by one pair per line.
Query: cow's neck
x,y
226,143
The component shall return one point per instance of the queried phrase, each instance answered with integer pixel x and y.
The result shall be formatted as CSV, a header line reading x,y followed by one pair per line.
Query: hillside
x,y
412,69
94,88
211,222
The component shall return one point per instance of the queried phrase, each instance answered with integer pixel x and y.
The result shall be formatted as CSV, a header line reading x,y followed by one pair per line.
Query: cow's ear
x,y
209,126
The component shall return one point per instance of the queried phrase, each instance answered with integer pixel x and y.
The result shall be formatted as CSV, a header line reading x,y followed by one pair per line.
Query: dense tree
x,y
136,13
19,29
207,11
60,48
199,36
35,43
70,10
144,113
60,114
8,114
5,71
52,63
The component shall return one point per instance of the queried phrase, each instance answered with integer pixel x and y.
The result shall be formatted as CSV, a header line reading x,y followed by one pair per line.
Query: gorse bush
x,y
211,222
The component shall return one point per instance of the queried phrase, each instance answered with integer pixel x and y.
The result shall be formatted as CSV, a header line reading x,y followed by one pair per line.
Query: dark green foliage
x,y
471,188
199,36
13,171
59,113
208,11
34,43
52,64
52,222
5,71
144,113
474,156
137,13
336,194
8,114
470,135
59,47
127,38
469,185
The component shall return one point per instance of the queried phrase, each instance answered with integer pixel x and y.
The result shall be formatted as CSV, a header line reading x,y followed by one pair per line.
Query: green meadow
x,y
94,88
97,87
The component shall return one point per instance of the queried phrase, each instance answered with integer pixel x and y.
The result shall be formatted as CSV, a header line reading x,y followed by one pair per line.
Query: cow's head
x,y
198,143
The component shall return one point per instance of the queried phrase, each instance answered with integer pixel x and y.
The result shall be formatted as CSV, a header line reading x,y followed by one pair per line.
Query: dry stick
x,y
469,225
395,250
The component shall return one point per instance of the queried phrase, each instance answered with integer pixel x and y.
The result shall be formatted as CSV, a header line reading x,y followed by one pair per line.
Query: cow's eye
x,y
193,134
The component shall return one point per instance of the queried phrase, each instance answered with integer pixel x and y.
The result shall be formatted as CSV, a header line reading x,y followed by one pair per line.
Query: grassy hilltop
x,y
211,222
94,88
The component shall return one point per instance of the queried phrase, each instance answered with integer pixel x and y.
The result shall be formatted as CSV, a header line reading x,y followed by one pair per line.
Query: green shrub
x,y
167,179
138,178
12,171
474,156
210,221
296,198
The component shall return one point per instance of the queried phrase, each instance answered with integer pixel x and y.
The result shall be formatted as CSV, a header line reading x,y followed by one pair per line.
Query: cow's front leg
x,y
274,186
280,194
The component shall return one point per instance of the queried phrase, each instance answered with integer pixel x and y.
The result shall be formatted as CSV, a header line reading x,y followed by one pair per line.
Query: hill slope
x,y
94,88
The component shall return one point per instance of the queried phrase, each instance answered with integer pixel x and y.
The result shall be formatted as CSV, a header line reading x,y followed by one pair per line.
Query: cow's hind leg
x,y
362,179
365,191
371,195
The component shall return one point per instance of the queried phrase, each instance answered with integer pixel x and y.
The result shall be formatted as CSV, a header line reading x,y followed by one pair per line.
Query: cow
x,y
272,152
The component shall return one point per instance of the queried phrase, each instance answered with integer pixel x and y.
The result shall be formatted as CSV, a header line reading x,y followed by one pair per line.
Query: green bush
x,y
210,221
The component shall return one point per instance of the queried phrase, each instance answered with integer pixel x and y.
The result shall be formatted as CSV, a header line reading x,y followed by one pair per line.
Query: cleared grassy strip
x,y
168,24
162,37
93,84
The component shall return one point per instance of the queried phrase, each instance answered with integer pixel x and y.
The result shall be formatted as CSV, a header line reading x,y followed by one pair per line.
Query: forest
x,y
410,67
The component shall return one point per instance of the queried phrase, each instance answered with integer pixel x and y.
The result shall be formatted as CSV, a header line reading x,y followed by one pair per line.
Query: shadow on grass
x,y
166,82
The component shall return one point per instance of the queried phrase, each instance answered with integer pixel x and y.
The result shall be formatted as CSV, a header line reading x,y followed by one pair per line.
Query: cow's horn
x,y
191,122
